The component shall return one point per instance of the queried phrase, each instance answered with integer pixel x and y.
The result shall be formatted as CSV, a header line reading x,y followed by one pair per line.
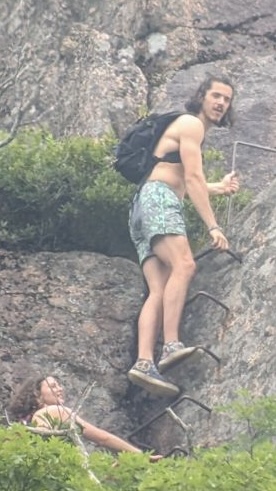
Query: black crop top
x,y
172,157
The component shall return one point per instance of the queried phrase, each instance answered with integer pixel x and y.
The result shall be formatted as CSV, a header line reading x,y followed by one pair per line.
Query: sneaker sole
x,y
176,358
156,387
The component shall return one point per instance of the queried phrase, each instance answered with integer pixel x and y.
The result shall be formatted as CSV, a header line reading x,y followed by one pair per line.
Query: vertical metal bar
x,y
186,428
233,168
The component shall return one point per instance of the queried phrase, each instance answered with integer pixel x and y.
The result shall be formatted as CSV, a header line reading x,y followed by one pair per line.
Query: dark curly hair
x,y
24,402
194,105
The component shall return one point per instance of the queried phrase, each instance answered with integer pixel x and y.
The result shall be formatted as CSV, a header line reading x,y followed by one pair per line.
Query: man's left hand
x,y
230,183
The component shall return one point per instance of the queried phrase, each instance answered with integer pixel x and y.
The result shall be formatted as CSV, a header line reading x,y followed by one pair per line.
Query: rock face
x,y
98,65
74,315
95,66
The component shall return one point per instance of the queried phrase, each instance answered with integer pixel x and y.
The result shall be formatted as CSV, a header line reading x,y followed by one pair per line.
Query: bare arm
x,y
191,137
106,439
228,185
91,432
215,188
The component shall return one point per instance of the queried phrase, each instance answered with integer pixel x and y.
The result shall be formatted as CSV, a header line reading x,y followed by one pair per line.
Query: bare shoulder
x,y
54,411
190,126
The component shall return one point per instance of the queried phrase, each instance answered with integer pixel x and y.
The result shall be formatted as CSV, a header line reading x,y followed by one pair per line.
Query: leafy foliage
x,y
61,194
64,195
257,416
29,462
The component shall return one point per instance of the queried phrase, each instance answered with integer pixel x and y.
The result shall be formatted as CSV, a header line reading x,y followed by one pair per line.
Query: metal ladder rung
x,y
207,295
164,411
235,255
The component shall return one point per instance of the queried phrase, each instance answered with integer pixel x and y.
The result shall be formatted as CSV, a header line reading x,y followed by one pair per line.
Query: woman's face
x,y
51,393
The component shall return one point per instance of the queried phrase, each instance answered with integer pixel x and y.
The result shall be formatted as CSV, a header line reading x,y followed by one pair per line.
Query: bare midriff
x,y
171,174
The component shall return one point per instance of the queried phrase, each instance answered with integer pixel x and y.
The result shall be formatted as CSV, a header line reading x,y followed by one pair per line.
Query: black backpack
x,y
134,154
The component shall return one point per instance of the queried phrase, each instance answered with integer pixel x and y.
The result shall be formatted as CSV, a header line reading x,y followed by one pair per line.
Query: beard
x,y
217,122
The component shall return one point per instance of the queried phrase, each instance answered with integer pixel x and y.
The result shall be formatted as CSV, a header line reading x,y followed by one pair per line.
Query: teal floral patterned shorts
x,y
156,210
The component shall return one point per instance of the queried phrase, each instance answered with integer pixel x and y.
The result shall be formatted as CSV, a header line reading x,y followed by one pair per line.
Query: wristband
x,y
216,227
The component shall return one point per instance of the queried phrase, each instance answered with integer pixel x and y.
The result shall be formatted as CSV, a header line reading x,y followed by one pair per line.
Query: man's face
x,y
216,102
51,393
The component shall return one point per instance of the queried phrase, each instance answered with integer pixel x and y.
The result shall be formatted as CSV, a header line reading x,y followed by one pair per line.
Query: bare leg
x,y
175,253
151,315
144,373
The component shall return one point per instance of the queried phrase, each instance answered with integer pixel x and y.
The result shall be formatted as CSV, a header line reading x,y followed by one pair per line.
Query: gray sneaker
x,y
173,353
145,374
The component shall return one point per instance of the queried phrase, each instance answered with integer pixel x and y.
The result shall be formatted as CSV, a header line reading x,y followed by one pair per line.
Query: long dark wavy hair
x,y
194,105
24,402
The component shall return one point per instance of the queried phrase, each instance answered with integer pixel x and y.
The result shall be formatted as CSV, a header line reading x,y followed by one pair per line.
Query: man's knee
x,y
184,266
157,293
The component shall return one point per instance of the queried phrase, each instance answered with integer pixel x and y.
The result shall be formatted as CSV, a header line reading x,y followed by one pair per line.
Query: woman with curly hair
x,y
40,401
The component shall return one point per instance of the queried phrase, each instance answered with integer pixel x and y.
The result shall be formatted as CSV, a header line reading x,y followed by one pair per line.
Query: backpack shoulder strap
x,y
162,123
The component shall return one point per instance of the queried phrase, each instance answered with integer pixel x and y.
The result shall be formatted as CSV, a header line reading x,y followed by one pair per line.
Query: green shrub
x,y
64,195
30,463
61,194
258,416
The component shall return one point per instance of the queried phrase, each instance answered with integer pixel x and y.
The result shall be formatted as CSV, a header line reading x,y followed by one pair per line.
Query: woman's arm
x,y
43,416
106,439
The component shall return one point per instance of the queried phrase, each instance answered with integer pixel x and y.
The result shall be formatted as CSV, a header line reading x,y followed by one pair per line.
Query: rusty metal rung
x,y
235,255
207,351
194,401
164,411
207,295
176,449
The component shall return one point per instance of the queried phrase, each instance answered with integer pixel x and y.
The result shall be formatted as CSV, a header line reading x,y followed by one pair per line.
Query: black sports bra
x,y
171,157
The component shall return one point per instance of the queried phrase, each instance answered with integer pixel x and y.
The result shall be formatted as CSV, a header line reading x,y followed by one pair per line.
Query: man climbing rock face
x,y
157,229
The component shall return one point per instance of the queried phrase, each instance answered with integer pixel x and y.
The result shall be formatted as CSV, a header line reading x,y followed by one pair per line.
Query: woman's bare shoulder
x,y
54,411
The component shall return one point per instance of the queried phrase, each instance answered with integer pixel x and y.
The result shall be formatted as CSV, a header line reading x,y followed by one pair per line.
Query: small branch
x,y
13,131
82,399
7,417
73,429
12,79
6,84
37,119
46,432
23,106
19,116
